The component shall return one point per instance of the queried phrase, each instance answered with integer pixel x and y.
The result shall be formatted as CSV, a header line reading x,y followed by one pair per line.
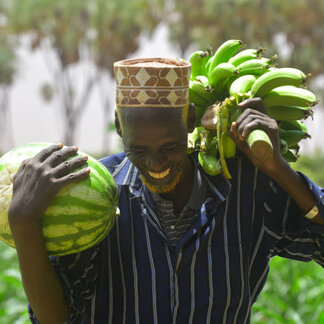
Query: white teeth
x,y
159,175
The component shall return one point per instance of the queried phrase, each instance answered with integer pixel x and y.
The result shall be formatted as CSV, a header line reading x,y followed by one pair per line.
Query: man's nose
x,y
156,162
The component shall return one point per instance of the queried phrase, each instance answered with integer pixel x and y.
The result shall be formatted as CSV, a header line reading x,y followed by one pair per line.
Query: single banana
x,y
209,160
292,137
242,84
200,110
289,95
290,156
277,78
204,90
204,68
209,163
255,66
246,55
198,59
195,97
193,140
295,147
229,146
224,53
203,80
219,75
283,146
293,125
288,112
205,138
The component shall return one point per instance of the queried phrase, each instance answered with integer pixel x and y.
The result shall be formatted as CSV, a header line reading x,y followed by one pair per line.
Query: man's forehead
x,y
150,113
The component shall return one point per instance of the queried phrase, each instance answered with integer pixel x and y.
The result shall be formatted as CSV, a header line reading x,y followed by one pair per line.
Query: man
x,y
187,247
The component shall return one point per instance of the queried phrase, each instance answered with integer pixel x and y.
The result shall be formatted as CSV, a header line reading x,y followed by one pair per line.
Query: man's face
x,y
155,141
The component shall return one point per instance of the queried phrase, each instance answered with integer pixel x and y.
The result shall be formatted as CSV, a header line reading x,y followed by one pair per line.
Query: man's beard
x,y
162,188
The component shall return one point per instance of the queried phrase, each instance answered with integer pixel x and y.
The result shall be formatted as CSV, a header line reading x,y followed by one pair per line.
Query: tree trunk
x,y
6,136
69,132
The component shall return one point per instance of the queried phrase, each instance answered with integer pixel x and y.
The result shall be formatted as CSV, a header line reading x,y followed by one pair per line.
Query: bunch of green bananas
x,y
224,79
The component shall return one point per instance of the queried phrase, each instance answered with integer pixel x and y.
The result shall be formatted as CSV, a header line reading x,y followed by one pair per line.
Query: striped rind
x,y
81,214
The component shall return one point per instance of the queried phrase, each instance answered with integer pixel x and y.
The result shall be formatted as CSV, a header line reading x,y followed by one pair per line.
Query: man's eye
x,y
170,148
137,151
174,148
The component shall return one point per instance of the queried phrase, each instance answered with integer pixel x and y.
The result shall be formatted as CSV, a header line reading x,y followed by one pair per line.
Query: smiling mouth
x,y
159,175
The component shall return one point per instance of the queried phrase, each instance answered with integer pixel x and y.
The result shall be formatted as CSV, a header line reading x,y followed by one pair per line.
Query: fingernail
x,y
60,145
85,157
75,148
88,170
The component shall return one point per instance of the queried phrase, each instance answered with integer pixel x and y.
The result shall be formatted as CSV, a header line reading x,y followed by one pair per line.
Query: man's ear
x,y
191,119
117,125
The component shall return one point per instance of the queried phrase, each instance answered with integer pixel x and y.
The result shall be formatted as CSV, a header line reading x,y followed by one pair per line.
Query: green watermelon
x,y
80,215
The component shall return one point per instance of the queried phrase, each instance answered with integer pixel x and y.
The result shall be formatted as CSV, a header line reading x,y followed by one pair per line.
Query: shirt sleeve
x,y
291,234
77,274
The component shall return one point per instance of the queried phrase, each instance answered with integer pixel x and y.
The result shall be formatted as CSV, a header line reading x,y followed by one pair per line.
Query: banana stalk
x,y
222,124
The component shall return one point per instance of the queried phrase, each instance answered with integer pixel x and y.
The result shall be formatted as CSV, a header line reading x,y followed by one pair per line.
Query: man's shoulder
x,y
112,162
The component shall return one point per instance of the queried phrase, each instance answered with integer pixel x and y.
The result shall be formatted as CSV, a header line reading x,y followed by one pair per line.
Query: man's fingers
x,y
59,156
249,123
68,166
72,177
43,154
254,103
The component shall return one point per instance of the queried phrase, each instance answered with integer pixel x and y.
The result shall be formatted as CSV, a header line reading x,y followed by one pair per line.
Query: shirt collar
x,y
126,174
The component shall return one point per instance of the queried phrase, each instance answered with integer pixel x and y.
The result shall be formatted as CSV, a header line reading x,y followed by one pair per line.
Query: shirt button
x,y
172,227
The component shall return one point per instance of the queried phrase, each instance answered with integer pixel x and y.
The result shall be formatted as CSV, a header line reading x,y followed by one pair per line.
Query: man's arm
x,y
296,187
41,284
252,117
35,185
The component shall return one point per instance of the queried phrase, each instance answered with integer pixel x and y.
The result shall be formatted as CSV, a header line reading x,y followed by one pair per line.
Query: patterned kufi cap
x,y
152,82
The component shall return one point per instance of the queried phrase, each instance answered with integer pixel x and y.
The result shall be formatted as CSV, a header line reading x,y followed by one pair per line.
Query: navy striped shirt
x,y
174,226
214,273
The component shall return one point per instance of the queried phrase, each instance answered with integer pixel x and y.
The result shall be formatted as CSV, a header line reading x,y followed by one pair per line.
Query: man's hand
x,y
40,178
254,117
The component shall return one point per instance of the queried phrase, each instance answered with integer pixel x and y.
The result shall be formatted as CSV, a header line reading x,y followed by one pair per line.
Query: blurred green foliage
x,y
293,294
13,303
312,166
